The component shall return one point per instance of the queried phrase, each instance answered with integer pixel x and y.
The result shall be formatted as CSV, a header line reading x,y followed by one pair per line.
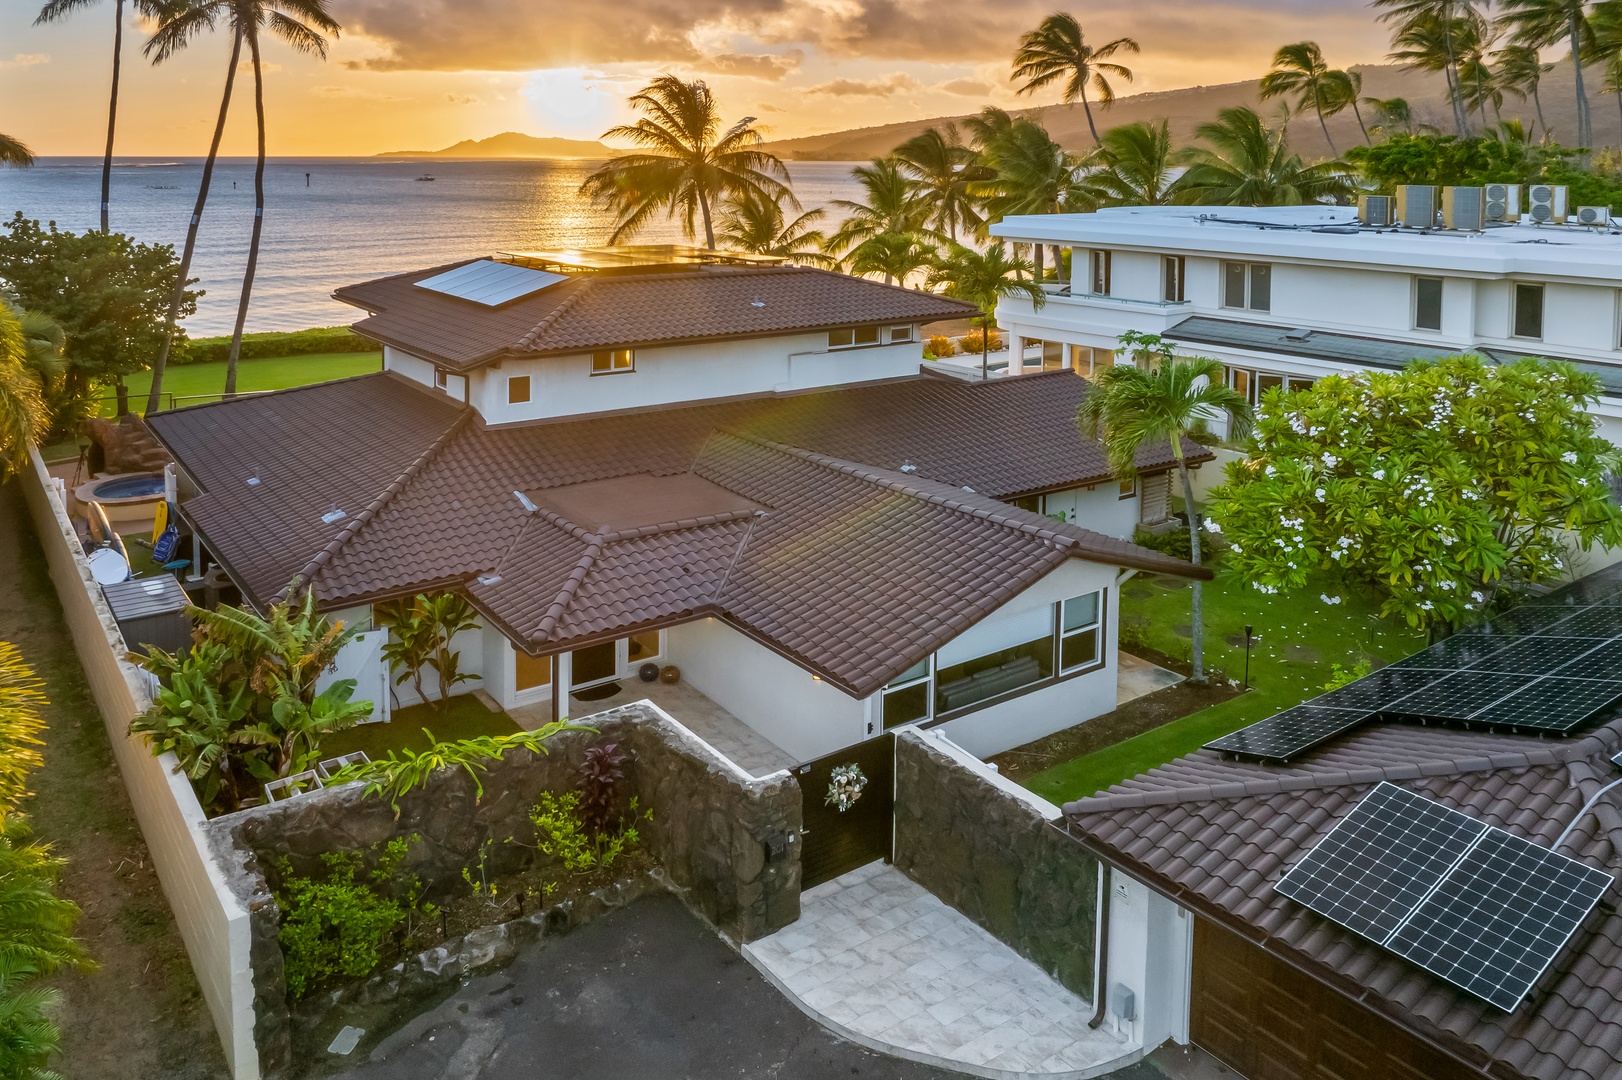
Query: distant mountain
x,y
513,144
1195,105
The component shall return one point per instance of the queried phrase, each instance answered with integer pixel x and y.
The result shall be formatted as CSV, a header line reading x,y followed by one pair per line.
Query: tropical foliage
x,y
24,415
14,152
1057,52
983,278
752,221
1442,489
1300,71
1246,163
421,630
399,773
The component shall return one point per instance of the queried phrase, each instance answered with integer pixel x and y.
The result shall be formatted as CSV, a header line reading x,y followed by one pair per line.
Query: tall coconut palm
x,y
894,256
1427,38
890,204
1390,114
1480,85
1603,46
1247,164
1540,23
751,221
1057,52
177,28
943,173
301,24
1300,71
24,415
13,152
60,9
1134,165
1156,399
1354,94
1035,175
687,163
984,278
1519,72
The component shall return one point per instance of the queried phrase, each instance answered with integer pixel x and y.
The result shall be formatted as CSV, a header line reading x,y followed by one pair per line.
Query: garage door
x,y
1270,1022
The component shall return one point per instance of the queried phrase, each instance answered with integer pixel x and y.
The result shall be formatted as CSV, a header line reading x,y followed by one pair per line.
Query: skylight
x,y
490,283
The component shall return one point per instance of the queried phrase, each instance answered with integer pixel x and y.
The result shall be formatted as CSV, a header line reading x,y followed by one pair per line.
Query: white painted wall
x,y
1099,508
423,371
1150,944
776,697
471,645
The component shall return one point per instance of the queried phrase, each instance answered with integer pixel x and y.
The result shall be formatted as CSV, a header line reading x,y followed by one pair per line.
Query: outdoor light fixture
x,y
1249,633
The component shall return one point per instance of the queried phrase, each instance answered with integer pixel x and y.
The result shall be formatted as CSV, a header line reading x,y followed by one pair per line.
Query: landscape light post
x,y
1248,634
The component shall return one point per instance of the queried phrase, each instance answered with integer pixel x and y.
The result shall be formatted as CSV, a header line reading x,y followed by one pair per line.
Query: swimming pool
x,y
139,486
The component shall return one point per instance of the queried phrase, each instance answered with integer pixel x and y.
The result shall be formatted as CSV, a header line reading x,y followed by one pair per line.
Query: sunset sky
x,y
421,74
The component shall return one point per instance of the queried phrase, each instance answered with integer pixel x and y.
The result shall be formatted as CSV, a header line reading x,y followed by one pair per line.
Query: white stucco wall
x,y
1150,951
471,645
1099,508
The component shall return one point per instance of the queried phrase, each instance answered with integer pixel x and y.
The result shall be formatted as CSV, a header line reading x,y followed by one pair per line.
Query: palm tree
x,y
300,23
1391,113
891,204
1427,39
1604,45
1300,70
750,221
1248,164
1539,23
24,415
895,255
1161,398
1057,50
943,173
984,278
60,9
14,153
1035,175
1520,70
688,163
178,26
1134,165
1354,94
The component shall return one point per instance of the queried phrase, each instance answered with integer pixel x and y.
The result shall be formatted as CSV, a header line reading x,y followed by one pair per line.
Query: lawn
x,y
464,717
193,383
1298,639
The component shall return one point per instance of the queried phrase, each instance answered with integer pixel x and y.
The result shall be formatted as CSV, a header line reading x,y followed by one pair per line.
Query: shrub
x,y
325,339
602,774
939,345
1340,676
561,833
1173,542
971,342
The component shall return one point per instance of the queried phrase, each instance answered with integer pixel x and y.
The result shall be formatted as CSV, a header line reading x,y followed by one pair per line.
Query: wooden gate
x,y
838,841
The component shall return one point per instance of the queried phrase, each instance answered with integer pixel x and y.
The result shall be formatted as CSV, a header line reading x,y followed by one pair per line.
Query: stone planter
x,y
290,787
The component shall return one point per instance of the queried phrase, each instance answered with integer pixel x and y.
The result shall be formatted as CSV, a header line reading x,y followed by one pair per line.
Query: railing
x,y
107,404
1064,292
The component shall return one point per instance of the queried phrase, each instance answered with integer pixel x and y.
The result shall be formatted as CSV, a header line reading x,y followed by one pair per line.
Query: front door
x,y
596,664
842,834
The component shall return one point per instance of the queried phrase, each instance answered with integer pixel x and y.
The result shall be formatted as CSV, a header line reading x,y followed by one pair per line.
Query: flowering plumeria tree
x,y
1437,487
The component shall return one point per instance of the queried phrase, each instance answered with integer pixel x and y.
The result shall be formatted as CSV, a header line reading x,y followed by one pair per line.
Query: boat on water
x,y
425,176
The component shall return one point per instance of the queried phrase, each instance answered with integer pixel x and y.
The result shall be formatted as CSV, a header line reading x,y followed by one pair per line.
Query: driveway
x,y
647,992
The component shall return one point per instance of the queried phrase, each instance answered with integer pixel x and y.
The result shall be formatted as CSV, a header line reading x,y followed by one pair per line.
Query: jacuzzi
x,y
130,500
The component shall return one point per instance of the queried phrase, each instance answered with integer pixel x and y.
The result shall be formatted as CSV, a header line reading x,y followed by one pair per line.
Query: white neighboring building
x,y
1287,295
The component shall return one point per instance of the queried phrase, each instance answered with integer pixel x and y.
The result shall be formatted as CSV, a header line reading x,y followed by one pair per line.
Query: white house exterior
x,y
1284,295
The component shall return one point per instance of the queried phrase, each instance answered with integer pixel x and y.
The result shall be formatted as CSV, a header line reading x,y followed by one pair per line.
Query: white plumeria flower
x,y
1569,457
1379,474
1211,526
1320,493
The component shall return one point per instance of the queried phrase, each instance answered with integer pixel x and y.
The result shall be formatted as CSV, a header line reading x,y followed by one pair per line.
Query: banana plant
x,y
206,721
299,725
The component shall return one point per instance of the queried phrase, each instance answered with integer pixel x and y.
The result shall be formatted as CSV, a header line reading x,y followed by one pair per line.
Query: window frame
x,y
614,367
902,683
1249,285
1096,627
1174,278
854,333
907,333
442,379
1420,281
512,385
1098,271
1515,309
1127,490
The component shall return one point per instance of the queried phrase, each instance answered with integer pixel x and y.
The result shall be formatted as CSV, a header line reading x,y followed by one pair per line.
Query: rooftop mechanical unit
x,y
1416,206
1378,210
150,611
1503,202
1464,208
1546,203
1599,216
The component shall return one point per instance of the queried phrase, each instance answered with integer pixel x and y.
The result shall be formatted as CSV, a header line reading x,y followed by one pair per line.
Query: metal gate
x,y
838,841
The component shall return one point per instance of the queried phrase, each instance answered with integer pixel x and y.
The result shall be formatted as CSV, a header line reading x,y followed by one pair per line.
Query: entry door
x,y
596,664
839,841
362,660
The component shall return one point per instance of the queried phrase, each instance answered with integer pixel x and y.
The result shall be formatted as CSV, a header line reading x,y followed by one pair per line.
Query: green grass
x,y
191,384
465,717
1298,640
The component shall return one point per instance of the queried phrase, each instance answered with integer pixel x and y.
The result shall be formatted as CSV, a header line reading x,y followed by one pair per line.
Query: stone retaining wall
x,y
712,830
989,849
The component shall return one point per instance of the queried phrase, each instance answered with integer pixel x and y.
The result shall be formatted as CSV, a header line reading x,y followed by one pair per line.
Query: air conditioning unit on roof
x,y
1546,203
1378,210
1503,202
1464,208
1594,215
1416,206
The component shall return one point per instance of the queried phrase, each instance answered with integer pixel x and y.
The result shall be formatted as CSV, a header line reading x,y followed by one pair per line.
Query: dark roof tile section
x,y
602,311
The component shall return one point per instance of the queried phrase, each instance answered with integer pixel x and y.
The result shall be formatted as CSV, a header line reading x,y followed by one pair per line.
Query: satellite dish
x,y
108,567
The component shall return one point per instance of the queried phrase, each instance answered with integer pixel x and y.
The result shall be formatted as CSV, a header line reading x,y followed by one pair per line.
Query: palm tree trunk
x,y
112,114
1334,151
709,226
1036,261
1087,107
1364,128
258,224
1537,104
1196,622
1585,123
985,346
155,395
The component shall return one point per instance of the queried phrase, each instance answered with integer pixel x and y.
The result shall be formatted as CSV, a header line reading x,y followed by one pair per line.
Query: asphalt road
x,y
647,992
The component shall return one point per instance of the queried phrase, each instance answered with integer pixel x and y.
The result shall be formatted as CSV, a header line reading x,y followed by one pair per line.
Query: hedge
x,y
326,339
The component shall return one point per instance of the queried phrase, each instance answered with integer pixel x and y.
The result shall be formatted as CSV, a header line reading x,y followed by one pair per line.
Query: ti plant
x,y
421,630
602,774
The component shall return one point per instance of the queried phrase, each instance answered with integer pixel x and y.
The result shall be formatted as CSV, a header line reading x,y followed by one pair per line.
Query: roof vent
x,y
524,501
332,515
489,579
757,303
1300,333
908,466
253,481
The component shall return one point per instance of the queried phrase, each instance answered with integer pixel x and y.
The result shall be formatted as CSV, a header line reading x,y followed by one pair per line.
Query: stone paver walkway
x,y
1136,677
880,960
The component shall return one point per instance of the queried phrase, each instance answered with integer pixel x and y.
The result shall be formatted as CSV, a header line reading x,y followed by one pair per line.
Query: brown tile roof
x,y
603,311
1215,835
854,569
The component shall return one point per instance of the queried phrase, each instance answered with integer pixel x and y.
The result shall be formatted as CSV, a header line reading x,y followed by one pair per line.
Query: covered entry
x,y
837,840
1271,1022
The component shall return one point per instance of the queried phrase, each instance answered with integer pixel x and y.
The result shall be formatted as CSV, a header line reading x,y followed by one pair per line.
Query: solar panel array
x,y
489,283
1548,667
1471,903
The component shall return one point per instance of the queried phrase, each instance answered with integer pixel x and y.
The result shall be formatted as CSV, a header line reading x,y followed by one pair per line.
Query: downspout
x,y
1101,955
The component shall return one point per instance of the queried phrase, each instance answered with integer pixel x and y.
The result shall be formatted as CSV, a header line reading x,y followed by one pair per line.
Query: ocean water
x,y
335,221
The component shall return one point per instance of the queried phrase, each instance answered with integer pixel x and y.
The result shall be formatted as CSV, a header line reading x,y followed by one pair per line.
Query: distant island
x,y
513,144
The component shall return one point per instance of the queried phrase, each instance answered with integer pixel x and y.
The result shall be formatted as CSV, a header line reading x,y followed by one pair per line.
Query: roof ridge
x,y
325,556
551,317
571,585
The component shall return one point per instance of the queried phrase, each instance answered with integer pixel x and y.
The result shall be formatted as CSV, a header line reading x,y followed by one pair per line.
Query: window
x,y
641,648
442,378
1033,503
993,659
1129,488
1244,382
1173,265
1080,621
847,337
907,698
531,671
1099,284
900,333
1528,311
1247,285
518,389
1427,303
867,335
613,361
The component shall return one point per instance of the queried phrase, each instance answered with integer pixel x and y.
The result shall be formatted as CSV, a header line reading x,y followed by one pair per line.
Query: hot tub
x,y
130,500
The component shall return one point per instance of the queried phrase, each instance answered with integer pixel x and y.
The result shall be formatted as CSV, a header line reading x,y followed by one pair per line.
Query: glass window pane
x,y
1428,304
993,675
1528,311
1233,285
1080,611
867,335
531,671
917,671
906,705
518,389
1240,380
1081,360
841,337
1079,650
643,647
900,333
593,664
1264,383
601,362
1261,287
1174,279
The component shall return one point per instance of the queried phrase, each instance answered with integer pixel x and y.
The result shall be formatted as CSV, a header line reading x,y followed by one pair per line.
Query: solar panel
x,y
490,283
1481,908
1600,622
1458,651
1281,737
1457,696
1604,662
1533,656
1554,705
1520,622
1375,692
1495,923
